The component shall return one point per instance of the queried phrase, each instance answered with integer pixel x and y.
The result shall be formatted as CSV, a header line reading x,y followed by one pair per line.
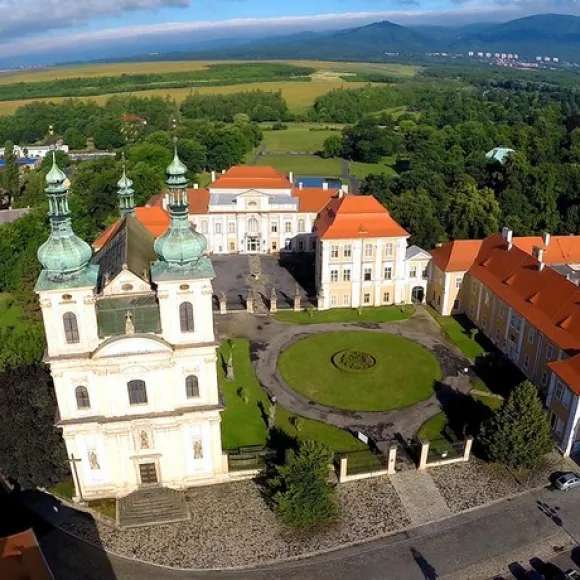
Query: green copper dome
x,y
126,193
64,254
180,245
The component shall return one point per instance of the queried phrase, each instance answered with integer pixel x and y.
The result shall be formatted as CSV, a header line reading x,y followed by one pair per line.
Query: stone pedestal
x,y
392,460
467,448
250,303
297,307
320,300
223,304
273,301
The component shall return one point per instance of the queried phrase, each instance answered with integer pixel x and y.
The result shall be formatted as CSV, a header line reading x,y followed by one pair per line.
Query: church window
x,y
218,228
301,226
71,328
137,392
192,387
186,317
82,396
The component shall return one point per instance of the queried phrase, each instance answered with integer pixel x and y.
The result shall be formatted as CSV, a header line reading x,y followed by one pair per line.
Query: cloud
x,y
17,19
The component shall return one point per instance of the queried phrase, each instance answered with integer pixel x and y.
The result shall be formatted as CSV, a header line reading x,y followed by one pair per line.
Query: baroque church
x,y
131,346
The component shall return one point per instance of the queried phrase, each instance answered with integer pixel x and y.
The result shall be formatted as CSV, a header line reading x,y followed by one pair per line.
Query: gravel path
x,y
231,525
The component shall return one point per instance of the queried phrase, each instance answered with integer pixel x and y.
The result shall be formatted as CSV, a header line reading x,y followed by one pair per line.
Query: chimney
x,y
196,186
340,193
291,177
212,176
223,171
325,185
300,185
344,188
538,253
507,236
546,237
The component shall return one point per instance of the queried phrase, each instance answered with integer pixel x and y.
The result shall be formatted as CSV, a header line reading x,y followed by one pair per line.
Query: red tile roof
x,y
560,250
251,177
155,219
356,216
569,371
21,558
456,256
312,199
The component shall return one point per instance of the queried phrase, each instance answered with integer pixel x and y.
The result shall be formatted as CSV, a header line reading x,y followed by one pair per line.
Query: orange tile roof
x,y
154,218
356,216
456,256
569,371
251,177
312,199
543,297
21,558
560,250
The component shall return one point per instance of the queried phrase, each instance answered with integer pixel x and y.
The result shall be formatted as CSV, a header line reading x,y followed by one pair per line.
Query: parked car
x,y
572,574
567,481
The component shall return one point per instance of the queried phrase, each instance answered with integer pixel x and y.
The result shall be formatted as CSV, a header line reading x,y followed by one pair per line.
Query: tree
x,y
302,493
518,434
32,450
75,139
11,174
332,147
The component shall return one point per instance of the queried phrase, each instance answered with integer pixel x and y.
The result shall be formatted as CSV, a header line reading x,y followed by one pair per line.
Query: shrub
x,y
297,423
243,394
302,494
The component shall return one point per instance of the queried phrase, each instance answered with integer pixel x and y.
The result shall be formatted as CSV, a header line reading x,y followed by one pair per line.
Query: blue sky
x,y
67,24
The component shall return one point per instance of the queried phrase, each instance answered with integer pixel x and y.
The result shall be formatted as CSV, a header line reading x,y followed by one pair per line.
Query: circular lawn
x,y
360,371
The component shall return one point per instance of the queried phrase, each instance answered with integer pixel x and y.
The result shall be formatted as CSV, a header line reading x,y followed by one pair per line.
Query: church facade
x,y
131,347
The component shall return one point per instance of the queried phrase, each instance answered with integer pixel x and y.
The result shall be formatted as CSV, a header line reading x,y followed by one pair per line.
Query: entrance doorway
x,y
148,473
253,244
417,295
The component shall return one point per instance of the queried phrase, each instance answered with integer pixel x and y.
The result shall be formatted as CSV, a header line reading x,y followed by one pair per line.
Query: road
x,y
444,549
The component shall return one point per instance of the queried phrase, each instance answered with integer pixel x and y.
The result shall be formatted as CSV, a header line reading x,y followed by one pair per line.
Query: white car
x,y
567,481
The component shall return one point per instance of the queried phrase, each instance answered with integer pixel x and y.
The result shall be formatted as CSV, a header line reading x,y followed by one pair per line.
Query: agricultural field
x,y
298,137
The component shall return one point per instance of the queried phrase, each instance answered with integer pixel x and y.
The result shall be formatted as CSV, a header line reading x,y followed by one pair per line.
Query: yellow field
x,y
118,68
299,95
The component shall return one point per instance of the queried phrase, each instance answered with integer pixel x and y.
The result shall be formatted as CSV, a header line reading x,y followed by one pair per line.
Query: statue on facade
x,y
197,449
144,440
93,460
129,326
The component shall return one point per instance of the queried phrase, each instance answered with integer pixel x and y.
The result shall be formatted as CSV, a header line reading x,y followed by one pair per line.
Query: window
x,y
333,300
368,272
231,227
186,317
413,272
456,305
274,227
301,226
526,361
137,392
232,246
217,228
567,397
559,390
312,245
544,379
501,310
347,251
516,322
300,246
253,226
334,275
346,275
366,298
549,352
274,246
368,250
334,251
388,250
553,419
458,282
71,328
386,297
82,395
346,299
288,227
204,227
191,387
388,273
531,335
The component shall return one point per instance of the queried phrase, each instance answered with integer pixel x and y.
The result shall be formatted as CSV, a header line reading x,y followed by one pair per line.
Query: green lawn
x,y
64,489
10,313
106,507
243,425
361,170
297,138
457,329
303,164
379,314
403,375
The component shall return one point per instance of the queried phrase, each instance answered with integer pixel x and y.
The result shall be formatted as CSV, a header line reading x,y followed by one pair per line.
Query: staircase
x,y
150,506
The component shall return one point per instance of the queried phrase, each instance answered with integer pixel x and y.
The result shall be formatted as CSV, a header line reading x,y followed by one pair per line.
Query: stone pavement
x,y
421,329
420,496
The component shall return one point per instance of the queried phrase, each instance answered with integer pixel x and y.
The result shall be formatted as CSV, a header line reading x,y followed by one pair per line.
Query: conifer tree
x,y
518,434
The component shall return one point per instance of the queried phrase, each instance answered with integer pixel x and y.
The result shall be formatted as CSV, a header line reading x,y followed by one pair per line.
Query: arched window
x,y
301,226
82,395
218,228
71,328
186,317
137,392
253,226
192,387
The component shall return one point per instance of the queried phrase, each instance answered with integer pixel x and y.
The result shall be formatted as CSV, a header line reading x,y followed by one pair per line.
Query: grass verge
x,y
379,314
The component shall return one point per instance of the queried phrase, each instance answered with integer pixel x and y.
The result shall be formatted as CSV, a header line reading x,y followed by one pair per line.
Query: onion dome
x,y
126,193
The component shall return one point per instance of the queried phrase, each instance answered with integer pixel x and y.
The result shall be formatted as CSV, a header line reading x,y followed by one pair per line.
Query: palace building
x,y
520,293
131,346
